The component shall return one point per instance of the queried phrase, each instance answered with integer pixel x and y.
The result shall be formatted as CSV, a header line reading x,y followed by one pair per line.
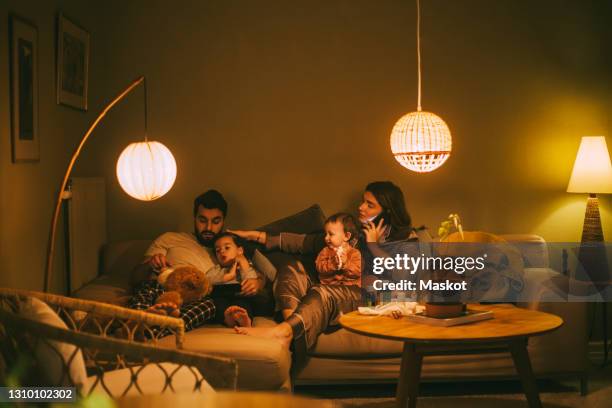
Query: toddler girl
x,y
339,263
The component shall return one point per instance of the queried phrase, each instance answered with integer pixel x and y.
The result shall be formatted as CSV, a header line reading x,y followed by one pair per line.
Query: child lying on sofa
x,y
227,305
233,267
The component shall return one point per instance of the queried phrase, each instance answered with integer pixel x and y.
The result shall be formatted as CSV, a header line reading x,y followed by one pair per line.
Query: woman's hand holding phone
x,y
373,232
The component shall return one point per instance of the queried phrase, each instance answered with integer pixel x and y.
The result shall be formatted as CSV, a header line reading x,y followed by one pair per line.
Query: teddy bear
x,y
183,284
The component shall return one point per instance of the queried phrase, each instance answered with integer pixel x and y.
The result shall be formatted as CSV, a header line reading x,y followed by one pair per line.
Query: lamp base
x,y
592,231
592,254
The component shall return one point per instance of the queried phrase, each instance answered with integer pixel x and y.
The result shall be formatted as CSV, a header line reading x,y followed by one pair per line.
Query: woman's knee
x,y
292,283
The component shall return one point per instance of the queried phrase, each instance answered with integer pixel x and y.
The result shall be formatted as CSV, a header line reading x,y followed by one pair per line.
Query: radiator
x,y
86,229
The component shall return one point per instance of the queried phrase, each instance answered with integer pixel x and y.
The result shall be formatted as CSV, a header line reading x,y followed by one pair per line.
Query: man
x,y
193,249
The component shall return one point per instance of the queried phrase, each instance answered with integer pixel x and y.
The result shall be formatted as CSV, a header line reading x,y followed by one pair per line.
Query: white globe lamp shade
x,y
421,141
146,170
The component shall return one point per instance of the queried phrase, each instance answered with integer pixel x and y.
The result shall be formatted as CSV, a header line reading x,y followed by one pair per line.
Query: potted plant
x,y
446,303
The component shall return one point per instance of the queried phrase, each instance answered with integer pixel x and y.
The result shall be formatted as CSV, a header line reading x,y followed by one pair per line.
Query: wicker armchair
x,y
106,320
79,349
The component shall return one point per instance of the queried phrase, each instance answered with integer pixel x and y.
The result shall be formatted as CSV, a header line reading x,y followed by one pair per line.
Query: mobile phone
x,y
381,216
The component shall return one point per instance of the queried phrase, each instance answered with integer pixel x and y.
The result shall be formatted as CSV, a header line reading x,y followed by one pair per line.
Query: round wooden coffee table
x,y
510,328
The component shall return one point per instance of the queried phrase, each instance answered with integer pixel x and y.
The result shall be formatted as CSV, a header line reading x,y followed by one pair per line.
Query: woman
x,y
308,308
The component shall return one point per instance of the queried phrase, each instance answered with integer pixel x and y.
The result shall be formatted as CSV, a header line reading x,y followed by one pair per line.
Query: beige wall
x,y
27,191
282,104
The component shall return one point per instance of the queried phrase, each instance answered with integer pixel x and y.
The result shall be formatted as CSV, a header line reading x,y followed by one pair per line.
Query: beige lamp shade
x,y
421,141
146,170
592,171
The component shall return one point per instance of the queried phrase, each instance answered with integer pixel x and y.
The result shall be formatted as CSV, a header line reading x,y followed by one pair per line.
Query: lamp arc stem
x,y
75,155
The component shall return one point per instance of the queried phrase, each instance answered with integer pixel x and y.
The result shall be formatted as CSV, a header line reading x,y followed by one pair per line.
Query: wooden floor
x,y
497,394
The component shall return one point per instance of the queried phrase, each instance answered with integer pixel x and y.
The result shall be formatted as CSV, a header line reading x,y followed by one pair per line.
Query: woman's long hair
x,y
391,199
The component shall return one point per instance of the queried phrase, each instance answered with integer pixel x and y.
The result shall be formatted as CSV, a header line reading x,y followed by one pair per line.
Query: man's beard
x,y
206,238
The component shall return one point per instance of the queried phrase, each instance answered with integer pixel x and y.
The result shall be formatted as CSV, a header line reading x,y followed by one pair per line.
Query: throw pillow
x,y
306,221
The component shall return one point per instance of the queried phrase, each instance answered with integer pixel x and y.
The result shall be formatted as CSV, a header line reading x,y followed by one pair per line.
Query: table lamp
x,y
146,170
592,174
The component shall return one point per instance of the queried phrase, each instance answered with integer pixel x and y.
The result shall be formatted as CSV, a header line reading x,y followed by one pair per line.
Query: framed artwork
x,y
23,49
72,64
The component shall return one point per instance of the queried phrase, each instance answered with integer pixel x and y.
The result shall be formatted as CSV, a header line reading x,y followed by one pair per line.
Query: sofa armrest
x,y
533,248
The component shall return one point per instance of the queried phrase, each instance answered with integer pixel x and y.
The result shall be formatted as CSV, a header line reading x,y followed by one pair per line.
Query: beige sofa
x,y
344,357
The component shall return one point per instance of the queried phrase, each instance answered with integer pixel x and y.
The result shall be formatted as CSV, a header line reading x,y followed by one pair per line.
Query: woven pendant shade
x,y
146,170
421,141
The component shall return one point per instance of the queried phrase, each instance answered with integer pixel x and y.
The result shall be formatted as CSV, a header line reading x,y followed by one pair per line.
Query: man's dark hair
x,y
348,223
211,199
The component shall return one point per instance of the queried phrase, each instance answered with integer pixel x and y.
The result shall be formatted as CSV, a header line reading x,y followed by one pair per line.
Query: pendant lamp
x,y
146,170
420,141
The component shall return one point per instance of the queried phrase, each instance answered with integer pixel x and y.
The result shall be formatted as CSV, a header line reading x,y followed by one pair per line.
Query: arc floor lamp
x,y
145,170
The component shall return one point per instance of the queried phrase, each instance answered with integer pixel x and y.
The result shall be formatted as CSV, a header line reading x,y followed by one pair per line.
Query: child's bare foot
x,y
236,316
165,309
243,319
281,332
239,315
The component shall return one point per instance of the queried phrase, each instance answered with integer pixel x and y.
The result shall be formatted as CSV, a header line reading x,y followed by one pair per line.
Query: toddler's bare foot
x,y
236,316
242,318
228,316
281,332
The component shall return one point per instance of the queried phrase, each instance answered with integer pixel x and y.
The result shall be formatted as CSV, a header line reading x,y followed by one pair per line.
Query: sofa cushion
x,y
263,363
345,344
107,288
306,221
119,258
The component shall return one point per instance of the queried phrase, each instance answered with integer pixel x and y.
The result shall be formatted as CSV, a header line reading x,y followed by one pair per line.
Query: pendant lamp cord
x,y
418,52
145,110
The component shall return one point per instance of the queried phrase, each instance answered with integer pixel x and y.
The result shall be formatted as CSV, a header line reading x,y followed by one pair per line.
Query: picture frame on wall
x,y
72,64
23,51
